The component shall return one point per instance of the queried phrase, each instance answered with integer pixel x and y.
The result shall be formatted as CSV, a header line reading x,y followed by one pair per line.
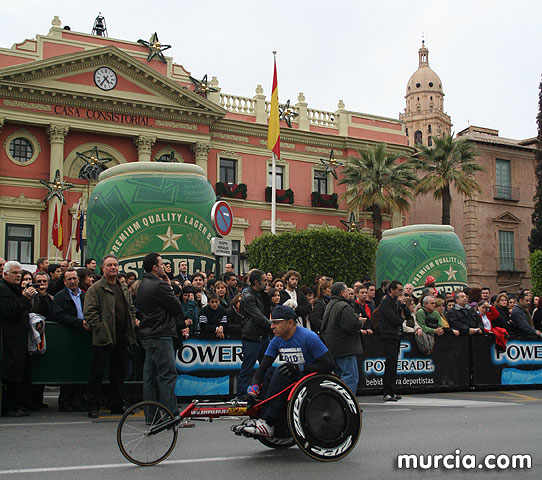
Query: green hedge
x,y
344,256
535,260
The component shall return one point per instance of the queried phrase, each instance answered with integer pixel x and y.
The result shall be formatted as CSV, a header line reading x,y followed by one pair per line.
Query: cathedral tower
x,y
424,112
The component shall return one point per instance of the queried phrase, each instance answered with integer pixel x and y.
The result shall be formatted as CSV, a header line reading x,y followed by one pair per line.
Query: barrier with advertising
x,y
446,368
519,364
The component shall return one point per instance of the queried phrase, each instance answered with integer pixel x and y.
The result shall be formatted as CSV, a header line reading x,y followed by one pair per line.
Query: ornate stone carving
x,y
144,144
235,138
22,202
57,133
337,153
200,149
2,120
28,105
279,225
184,126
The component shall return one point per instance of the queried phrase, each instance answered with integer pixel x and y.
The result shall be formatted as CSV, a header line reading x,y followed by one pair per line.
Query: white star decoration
x,y
170,239
451,273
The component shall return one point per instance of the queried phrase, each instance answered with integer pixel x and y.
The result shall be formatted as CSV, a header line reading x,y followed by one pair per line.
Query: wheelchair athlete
x,y
302,351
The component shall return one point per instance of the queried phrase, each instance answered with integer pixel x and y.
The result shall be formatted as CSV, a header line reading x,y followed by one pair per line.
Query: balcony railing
x,y
510,264
501,192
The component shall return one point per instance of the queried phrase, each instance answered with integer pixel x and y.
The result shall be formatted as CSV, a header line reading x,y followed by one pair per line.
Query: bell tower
x,y
424,114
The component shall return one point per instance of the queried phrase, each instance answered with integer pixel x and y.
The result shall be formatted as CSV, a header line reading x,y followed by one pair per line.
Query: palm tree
x,y
448,163
375,180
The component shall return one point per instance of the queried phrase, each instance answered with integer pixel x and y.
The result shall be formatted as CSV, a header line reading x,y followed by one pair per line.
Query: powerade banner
x,y
145,207
410,254
448,366
208,367
519,364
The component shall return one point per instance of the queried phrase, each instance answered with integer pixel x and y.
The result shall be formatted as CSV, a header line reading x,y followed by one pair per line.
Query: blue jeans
x,y
159,372
347,370
252,351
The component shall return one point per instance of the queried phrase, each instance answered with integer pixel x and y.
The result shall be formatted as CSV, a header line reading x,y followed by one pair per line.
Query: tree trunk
x,y
446,205
377,222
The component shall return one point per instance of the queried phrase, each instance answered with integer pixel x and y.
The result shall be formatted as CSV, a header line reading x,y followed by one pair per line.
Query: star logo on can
x,y
451,273
170,239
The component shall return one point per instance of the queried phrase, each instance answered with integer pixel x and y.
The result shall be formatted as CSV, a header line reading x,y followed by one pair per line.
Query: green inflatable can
x,y
411,254
143,207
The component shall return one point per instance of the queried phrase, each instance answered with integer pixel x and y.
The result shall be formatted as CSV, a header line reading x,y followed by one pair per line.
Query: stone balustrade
x,y
321,117
237,104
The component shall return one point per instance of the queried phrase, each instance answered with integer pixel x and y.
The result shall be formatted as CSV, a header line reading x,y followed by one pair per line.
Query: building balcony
x,y
509,264
324,200
501,192
282,196
231,190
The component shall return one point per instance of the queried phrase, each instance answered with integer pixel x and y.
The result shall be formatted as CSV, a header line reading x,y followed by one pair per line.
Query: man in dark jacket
x,y
341,332
520,316
15,363
464,318
391,330
158,308
68,310
291,291
255,309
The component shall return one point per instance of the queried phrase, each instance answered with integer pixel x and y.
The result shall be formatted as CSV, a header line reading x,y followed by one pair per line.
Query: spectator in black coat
x,y
464,318
323,295
235,319
520,317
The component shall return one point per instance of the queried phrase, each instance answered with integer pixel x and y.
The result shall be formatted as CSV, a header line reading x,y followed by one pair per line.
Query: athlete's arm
x,y
323,364
260,373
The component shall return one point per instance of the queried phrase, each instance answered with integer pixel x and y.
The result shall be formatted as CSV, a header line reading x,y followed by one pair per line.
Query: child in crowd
x,y
213,317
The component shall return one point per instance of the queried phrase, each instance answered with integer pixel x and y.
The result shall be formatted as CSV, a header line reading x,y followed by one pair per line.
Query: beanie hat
x,y
283,312
429,280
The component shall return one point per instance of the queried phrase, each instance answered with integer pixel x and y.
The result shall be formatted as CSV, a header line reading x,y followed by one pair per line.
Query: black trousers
x,y
116,356
273,383
391,349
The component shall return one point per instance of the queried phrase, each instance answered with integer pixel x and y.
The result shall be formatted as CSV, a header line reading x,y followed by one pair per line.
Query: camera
x,y
33,285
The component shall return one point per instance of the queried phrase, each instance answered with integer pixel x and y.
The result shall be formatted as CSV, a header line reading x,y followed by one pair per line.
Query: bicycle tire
x,y
135,438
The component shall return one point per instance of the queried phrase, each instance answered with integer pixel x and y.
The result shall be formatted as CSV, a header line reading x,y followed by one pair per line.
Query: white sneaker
x,y
259,428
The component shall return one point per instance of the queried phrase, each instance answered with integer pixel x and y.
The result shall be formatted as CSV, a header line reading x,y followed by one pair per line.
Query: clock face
x,y
105,78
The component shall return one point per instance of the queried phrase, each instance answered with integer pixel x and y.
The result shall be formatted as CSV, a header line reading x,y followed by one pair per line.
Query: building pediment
x,y
506,217
70,80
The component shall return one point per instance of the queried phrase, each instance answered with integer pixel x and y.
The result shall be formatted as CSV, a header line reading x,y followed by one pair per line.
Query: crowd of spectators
x,y
216,308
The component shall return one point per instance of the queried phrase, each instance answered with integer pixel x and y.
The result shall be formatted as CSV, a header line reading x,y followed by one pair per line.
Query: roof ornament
x,y
155,48
99,27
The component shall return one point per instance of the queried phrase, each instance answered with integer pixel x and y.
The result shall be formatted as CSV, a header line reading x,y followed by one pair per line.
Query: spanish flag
x,y
57,228
273,134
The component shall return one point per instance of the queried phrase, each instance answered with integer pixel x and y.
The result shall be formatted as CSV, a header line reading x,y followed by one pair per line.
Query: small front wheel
x,y
142,434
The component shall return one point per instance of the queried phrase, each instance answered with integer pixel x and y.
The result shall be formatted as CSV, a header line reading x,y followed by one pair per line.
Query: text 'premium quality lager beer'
x,y
410,254
143,207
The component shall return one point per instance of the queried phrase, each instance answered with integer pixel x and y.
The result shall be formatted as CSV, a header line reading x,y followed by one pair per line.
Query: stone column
x,y
201,152
341,119
57,134
144,146
259,106
303,119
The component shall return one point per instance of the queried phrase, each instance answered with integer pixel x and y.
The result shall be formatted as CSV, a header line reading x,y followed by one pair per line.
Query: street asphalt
x,y
56,445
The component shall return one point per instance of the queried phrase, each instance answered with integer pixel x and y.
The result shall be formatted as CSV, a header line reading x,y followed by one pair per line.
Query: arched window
x,y
418,137
429,141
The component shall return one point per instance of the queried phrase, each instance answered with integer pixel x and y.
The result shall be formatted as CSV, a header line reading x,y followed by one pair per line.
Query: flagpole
x,y
74,226
273,194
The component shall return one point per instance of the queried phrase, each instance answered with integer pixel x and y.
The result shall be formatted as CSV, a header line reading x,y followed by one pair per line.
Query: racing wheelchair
x,y
322,417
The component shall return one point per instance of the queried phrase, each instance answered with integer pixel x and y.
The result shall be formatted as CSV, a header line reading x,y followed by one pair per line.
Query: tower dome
x,y
424,115
424,79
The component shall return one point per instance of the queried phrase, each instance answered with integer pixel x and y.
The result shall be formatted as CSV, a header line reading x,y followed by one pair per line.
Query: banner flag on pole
x,y
57,228
273,134
79,226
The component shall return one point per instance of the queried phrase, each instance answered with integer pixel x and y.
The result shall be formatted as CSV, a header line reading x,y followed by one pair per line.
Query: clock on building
x,y
105,78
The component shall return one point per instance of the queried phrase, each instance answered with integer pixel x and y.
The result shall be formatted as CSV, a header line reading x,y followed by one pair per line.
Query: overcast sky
x,y
487,53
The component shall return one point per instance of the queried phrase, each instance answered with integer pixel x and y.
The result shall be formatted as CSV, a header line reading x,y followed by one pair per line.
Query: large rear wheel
x,y
141,435
324,417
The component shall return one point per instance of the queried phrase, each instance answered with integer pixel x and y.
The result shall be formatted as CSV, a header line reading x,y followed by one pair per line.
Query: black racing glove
x,y
291,371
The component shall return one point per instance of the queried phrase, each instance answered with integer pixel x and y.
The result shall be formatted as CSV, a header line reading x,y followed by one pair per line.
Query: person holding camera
x,y
15,305
391,330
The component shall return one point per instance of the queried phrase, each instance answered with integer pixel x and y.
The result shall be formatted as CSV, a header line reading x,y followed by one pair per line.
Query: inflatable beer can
x,y
143,207
411,254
